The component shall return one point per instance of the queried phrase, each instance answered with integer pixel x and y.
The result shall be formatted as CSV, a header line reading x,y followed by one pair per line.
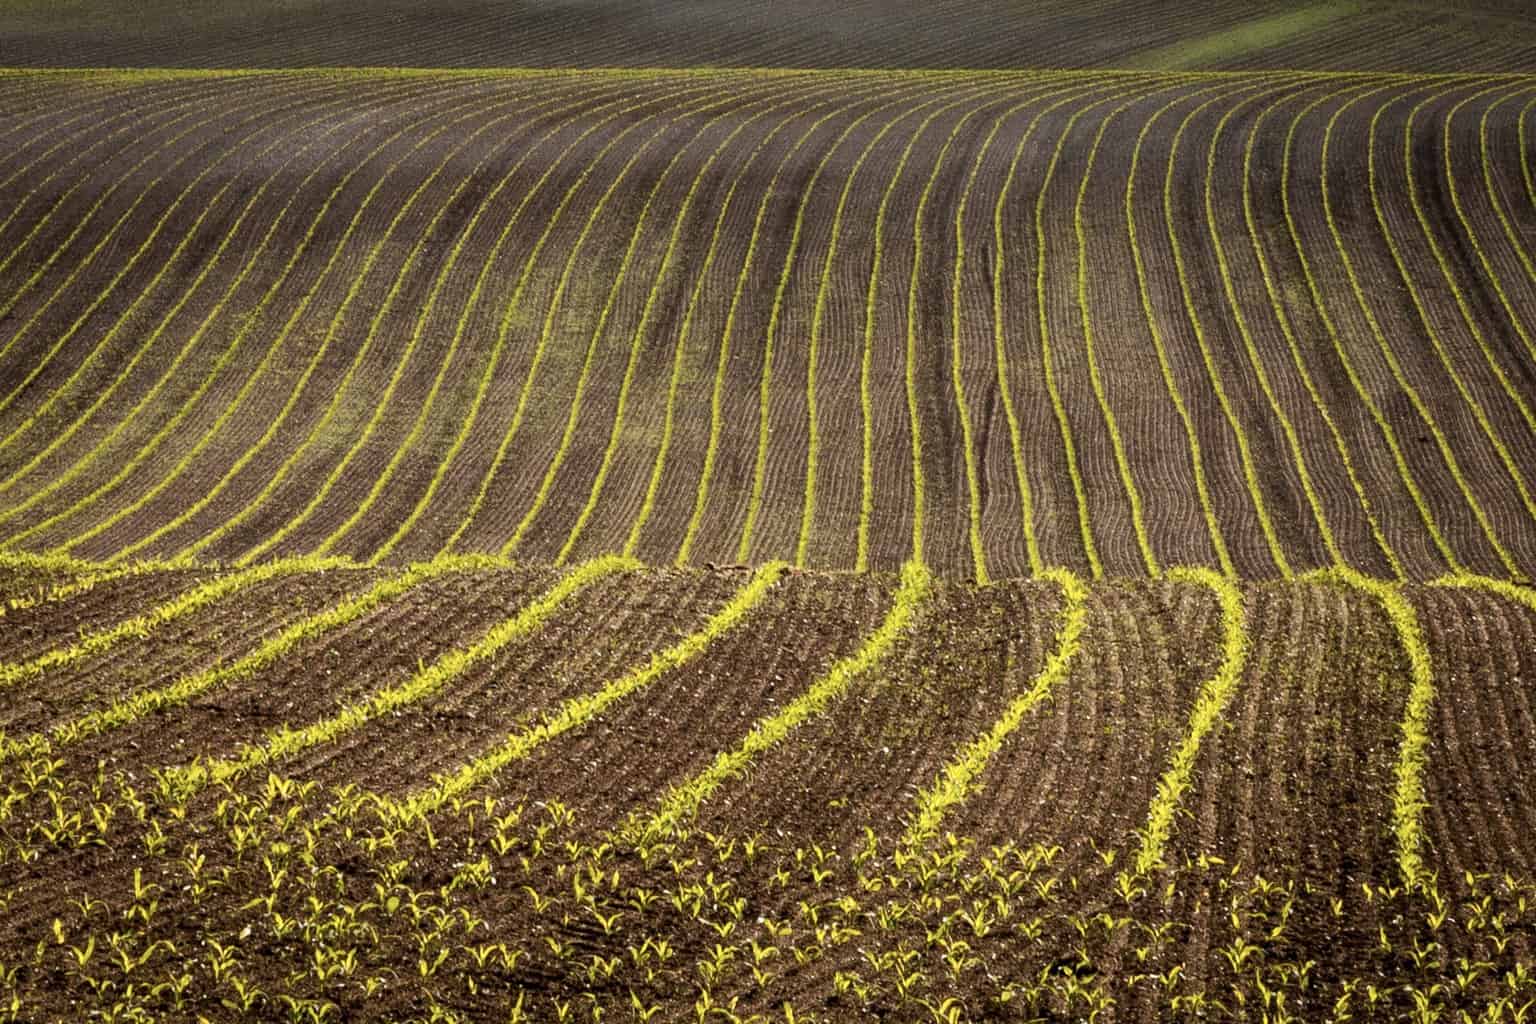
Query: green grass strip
x,y
547,328
1277,307
578,711
648,310
1149,314
599,326
1321,306
270,358
284,742
134,707
1408,799
1249,37
669,418
381,406
1244,449
681,803
146,345
498,348
358,274
961,777
141,626
1214,696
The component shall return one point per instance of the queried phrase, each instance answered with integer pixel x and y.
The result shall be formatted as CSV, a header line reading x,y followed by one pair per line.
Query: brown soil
x,y
1289,808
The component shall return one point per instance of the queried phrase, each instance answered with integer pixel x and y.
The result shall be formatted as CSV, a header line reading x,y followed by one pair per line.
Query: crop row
x,y
937,731
844,320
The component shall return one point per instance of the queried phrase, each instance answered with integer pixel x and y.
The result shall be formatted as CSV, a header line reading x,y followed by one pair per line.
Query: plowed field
x,y
1263,323
400,793
527,510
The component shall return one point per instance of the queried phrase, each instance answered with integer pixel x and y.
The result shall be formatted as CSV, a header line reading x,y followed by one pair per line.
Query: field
x,y
968,515
990,322
418,792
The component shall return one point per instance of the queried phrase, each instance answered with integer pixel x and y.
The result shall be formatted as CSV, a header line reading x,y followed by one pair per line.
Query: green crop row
x,y
685,329
960,778
1412,393
1479,413
1408,800
648,309
144,450
193,600
1214,696
957,380
1283,319
1244,449
573,411
717,393
134,123
1255,359
358,275
1196,456
174,368
1394,445
418,424
269,361
284,741
498,348
546,330
818,314
136,706
680,803
579,710
522,115
260,110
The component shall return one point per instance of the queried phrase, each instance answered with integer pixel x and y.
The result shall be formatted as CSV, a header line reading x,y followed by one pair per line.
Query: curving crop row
x,y
269,362
679,804
382,404
168,396
573,414
685,328
146,405
547,328
1284,320
580,710
284,742
147,344
610,452
137,705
